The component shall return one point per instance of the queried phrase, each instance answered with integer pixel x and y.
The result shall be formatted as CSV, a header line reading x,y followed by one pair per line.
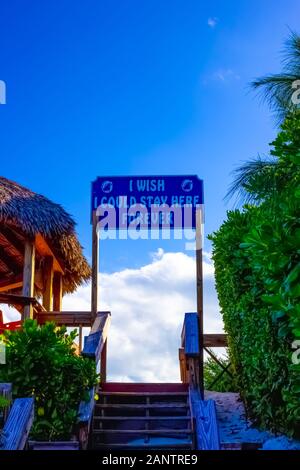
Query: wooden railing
x,y
203,411
95,348
18,424
189,353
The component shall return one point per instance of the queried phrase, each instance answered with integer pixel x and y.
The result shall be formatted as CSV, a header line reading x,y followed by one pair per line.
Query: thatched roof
x,y
27,214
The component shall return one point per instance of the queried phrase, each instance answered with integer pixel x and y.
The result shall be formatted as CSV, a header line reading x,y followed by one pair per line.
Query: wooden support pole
x,y
199,280
95,266
103,362
28,277
48,279
57,292
80,338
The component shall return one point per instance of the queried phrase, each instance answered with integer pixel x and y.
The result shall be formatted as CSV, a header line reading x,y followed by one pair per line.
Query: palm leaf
x,y
253,181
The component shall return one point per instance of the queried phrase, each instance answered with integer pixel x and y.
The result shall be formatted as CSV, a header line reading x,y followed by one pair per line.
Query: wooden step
x,y
178,445
142,394
140,406
143,387
141,418
142,431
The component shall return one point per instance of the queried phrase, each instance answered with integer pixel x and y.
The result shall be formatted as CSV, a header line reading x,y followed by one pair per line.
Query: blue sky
x,y
99,88
130,87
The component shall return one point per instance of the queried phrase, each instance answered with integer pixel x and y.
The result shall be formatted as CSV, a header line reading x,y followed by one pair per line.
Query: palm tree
x,y
278,90
258,179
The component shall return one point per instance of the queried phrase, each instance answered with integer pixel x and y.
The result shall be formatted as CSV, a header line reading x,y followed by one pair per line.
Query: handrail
x,y
95,347
189,353
18,424
203,412
205,418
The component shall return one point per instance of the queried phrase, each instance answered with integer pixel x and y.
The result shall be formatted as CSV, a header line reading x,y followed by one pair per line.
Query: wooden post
x,y
57,292
199,279
80,338
95,263
28,277
48,279
103,361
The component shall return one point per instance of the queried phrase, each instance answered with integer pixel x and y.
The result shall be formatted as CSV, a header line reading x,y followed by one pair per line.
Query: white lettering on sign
x,y
150,185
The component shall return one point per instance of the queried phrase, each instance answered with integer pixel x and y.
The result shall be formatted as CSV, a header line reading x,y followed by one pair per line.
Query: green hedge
x,y
256,254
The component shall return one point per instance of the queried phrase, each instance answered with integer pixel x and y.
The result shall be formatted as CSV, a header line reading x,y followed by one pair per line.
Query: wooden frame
x,y
28,277
95,347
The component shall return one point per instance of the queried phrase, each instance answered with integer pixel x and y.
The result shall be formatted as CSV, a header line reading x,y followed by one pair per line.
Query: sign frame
x,y
198,252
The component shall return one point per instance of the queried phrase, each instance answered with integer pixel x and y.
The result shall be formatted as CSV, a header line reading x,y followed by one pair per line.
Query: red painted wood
x,y
14,325
144,387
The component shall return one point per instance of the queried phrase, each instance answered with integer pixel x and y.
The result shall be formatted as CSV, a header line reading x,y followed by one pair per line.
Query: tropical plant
x,y
41,362
256,254
281,90
260,178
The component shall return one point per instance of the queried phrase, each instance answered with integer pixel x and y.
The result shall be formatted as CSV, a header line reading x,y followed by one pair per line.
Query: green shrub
x,y
256,254
41,362
212,371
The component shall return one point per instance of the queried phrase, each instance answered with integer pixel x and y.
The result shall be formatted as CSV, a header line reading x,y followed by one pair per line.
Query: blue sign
x,y
152,195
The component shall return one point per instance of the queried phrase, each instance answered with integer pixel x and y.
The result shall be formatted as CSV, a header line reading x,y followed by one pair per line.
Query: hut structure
x,y
40,255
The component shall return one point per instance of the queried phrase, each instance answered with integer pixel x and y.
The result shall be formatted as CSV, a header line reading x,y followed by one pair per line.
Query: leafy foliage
x,y
277,89
257,260
41,362
212,371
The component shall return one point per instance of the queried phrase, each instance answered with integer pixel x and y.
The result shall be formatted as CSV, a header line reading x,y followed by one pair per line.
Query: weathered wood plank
x,y
44,249
182,365
85,415
86,408
218,340
57,292
18,424
58,446
65,318
28,277
204,414
48,277
95,342
95,265
191,334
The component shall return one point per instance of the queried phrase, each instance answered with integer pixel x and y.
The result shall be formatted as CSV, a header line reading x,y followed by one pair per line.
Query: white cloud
x,y
212,22
148,306
225,75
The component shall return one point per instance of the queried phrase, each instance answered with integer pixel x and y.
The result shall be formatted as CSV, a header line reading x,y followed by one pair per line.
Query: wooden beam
x,y
12,239
13,299
57,292
95,265
218,340
44,249
103,362
28,277
10,262
183,366
65,318
48,281
4,287
199,285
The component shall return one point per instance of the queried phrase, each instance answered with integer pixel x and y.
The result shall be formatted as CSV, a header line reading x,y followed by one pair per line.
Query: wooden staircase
x,y
142,416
